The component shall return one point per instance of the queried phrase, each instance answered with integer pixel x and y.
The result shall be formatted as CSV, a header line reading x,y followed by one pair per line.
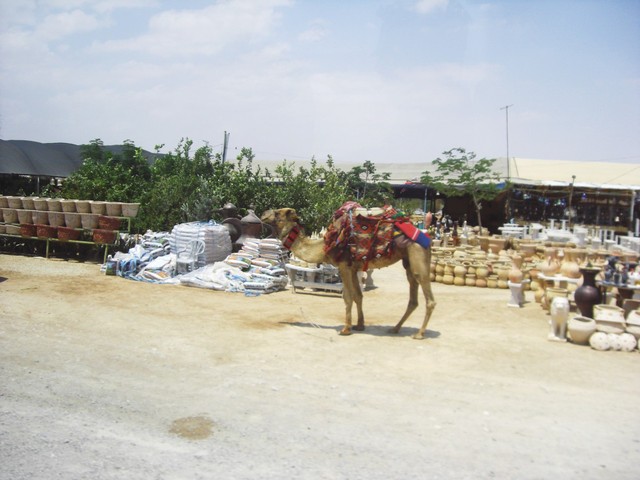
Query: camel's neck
x,y
310,250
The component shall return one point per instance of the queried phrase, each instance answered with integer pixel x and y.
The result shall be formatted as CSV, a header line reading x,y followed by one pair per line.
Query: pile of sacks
x,y
256,269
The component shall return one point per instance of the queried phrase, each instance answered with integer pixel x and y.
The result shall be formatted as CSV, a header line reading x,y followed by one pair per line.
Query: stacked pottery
x,y
502,270
569,268
447,277
482,273
459,272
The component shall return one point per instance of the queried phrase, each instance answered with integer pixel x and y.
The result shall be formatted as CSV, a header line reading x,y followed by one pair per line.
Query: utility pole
x,y
506,109
225,145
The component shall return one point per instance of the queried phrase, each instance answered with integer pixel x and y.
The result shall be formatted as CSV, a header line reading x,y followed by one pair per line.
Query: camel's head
x,y
281,219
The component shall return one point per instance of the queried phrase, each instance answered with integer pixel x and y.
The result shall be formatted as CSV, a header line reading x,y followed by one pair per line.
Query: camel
x,y
415,259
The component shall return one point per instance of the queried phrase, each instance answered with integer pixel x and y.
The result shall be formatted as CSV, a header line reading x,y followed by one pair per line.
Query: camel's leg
x,y
351,293
413,299
431,305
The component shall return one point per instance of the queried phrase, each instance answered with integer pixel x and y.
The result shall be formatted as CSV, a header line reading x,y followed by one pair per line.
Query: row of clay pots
x,y
114,209
58,219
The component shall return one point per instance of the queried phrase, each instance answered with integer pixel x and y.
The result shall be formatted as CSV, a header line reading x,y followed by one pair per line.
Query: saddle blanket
x,y
359,234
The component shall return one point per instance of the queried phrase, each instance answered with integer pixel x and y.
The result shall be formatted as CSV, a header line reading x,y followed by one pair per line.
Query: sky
x,y
397,81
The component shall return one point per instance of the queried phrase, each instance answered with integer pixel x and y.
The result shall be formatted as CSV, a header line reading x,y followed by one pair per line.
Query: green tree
x,y
459,173
368,186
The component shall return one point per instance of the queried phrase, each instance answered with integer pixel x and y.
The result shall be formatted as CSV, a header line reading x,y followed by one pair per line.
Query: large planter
x,y
25,216
56,219
588,295
10,215
66,233
104,236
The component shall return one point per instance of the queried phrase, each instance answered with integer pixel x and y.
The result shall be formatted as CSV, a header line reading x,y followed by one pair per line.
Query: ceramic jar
x,y
569,267
470,279
580,329
515,273
550,266
588,294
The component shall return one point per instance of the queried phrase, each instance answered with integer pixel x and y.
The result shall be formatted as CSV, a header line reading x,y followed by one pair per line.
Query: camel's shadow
x,y
375,330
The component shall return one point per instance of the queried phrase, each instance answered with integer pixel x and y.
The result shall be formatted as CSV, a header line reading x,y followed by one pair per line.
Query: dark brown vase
x,y
588,295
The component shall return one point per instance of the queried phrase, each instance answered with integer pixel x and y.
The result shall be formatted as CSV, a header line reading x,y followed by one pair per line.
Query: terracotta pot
x,y
481,282
109,223
515,274
447,279
46,231
492,281
550,266
28,230
104,236
569,267
66,233
580,329
470,280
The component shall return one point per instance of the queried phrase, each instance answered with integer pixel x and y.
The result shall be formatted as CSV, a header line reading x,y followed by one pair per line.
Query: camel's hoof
x,y
393,330
359,328
345,331
418,336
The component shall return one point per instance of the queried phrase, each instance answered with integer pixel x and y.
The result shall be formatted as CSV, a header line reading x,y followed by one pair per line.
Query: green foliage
x,y
459,173
367,186
185,186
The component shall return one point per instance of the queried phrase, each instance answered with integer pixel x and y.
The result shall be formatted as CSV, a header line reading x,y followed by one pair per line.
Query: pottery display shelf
x,y
625,292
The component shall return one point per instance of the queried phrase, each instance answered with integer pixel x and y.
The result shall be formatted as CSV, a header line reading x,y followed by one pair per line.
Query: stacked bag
x,y
217,242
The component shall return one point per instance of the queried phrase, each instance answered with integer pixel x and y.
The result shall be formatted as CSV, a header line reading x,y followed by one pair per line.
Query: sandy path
x,y
103,378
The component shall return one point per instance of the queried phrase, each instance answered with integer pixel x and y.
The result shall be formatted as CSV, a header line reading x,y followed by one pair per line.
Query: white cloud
x,y
205,31
428,6
61,25
317,31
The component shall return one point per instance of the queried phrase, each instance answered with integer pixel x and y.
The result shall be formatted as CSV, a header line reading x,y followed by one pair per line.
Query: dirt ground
x,y
107,378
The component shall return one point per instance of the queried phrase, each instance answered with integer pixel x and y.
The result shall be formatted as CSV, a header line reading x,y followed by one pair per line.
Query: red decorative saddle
x,y
358,234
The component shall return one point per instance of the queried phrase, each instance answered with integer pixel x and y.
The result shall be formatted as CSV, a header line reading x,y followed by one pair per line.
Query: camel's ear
x,y
290,214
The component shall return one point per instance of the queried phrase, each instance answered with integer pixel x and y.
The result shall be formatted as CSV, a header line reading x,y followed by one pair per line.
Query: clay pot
x,y
46,231
588,295
71,219
458,280
28,230
41,217
108,223
68,206
492,281
104,236
580,329
550,266
66,233
41,204
56,219
496,244
569,267
83,206
14,202
25,216
10,215
470,280
54,205
515,274
27,203
89,220
481,282
114,209
482,271
447,279
130,209
99,208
